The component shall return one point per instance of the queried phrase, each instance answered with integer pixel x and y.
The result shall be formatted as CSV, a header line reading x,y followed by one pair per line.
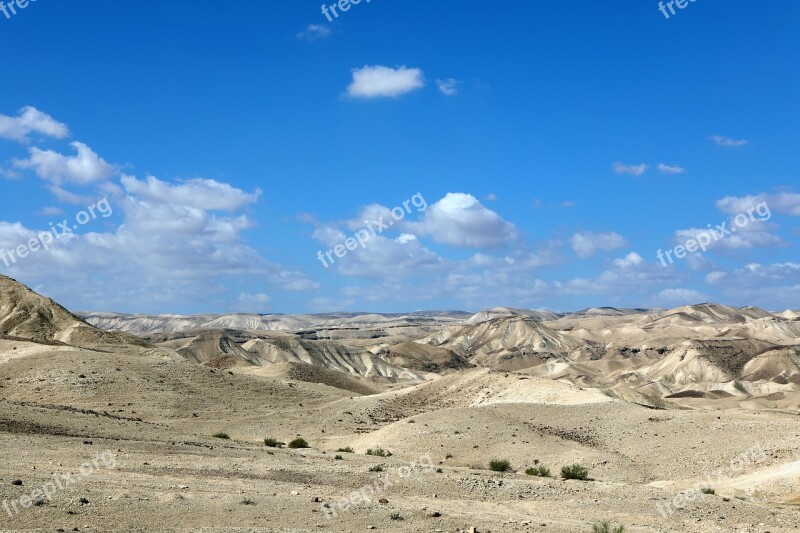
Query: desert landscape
x,y
399,266
684,420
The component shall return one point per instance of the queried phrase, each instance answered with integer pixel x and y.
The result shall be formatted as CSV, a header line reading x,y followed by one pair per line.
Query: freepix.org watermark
x,y
381,485
60,482
9,9
62,231
343,6
754,455
704,238
671,5
372,229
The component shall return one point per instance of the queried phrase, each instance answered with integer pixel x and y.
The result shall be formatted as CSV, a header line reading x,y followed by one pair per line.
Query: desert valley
x,y
684,420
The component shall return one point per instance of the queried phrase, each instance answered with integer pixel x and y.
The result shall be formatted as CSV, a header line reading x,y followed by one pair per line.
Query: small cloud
x,y
630,260
491,197
50,212
380,81
727,142
448,87
31,120
713,278
569,204
671,169
586,244
314,32
635,170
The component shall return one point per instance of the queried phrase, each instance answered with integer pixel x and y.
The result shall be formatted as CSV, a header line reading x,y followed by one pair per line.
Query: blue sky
x,y
558,146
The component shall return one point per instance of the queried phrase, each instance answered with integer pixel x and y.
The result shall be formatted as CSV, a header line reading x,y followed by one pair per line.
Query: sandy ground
x,y
154,418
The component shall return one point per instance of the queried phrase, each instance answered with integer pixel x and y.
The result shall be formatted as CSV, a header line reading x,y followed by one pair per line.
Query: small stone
x,y
17,482
435,514
316,499
295,493
84,501
383,500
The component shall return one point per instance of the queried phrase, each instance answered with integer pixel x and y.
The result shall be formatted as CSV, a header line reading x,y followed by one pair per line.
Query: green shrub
x,y
538,471
346,450
708,490
298,443
379,452
221,435
575,471
273,443
339,458
376,468
395,516
500,465
605,527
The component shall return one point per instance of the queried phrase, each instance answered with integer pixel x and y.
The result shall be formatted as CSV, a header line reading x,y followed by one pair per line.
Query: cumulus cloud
x,y
635,170
631,260
774,286
586,244
785,203
727,142
380,81
31,120
461,220
198,193
671,169
83,168
448,87
756,234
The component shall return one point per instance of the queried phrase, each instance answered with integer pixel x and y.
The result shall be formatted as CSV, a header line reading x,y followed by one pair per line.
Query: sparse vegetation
x,y
395,516
708,490
376,468
221,435
379,452
348,449
500,465
273,443
339,458
298,443
605,527
248,501
575,471
538,471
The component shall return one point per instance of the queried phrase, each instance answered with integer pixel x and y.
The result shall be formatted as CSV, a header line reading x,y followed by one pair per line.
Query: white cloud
x,y
380,81
728,142
461,220
84,168
586,244
712,278
763,204
631,260
670,169
31,120
448,87
314,31
754,235
50,211
635,170
491,197
197,193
